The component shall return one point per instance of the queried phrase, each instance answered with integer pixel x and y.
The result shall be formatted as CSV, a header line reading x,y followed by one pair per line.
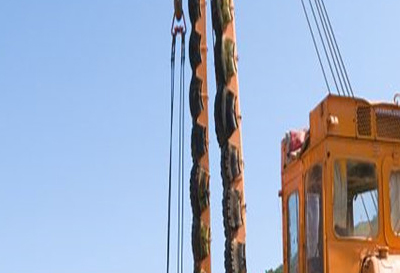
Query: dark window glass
x,y
355,194
293,233
394,186
314,220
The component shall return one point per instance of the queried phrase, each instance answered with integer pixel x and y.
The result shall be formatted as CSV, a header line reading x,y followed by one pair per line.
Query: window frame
x,y
379,201
388,165
293,193
322,213
393,170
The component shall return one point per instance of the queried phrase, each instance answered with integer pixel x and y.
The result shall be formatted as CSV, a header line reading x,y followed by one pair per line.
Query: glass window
x,y
293,233
394,188
314,220
355,193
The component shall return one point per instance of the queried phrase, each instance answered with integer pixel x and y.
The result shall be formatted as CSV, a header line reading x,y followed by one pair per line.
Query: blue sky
x,y
84,116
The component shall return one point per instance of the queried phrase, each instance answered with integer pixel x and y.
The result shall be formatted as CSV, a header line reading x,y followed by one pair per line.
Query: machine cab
x,y
341,189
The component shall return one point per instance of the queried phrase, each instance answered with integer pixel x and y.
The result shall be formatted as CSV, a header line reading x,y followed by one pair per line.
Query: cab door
x,y
292,204
391,192
313,220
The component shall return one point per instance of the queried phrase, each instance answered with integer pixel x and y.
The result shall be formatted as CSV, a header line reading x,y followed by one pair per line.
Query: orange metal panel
x,y
347,128
201,223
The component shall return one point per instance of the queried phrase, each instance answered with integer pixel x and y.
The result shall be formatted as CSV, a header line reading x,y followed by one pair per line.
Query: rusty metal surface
x,y
200,178
228,130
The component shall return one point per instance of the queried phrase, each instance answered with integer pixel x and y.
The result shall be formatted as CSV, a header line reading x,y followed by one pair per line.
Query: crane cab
x,y
341,189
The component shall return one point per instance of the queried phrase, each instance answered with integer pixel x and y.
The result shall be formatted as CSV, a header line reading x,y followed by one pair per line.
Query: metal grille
x,y
388,123
364,120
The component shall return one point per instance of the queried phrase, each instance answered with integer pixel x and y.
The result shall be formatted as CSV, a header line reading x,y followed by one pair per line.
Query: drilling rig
x,y
340,187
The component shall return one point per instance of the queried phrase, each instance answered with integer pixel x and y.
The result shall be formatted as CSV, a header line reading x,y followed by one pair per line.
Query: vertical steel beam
x,y
198,97
228,129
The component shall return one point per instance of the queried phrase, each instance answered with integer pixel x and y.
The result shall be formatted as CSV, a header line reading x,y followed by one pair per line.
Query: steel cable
x,y
329,36
170,147
328,40
330,46
178,256
336,44
182,144
324,47
180,194
316,46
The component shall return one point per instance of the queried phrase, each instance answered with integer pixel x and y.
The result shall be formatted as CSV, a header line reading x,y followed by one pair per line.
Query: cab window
x,y
293,233
394,187
314,220
355,194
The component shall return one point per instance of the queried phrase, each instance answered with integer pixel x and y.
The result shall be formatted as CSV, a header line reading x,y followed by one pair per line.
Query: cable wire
x,y
183,48
330,45
324,47
316,47
329,36
170,147
178,27
181,159
335,41
178,256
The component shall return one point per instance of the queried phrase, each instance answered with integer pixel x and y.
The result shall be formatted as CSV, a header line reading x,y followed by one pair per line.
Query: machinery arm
x,y
228,129
199,179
